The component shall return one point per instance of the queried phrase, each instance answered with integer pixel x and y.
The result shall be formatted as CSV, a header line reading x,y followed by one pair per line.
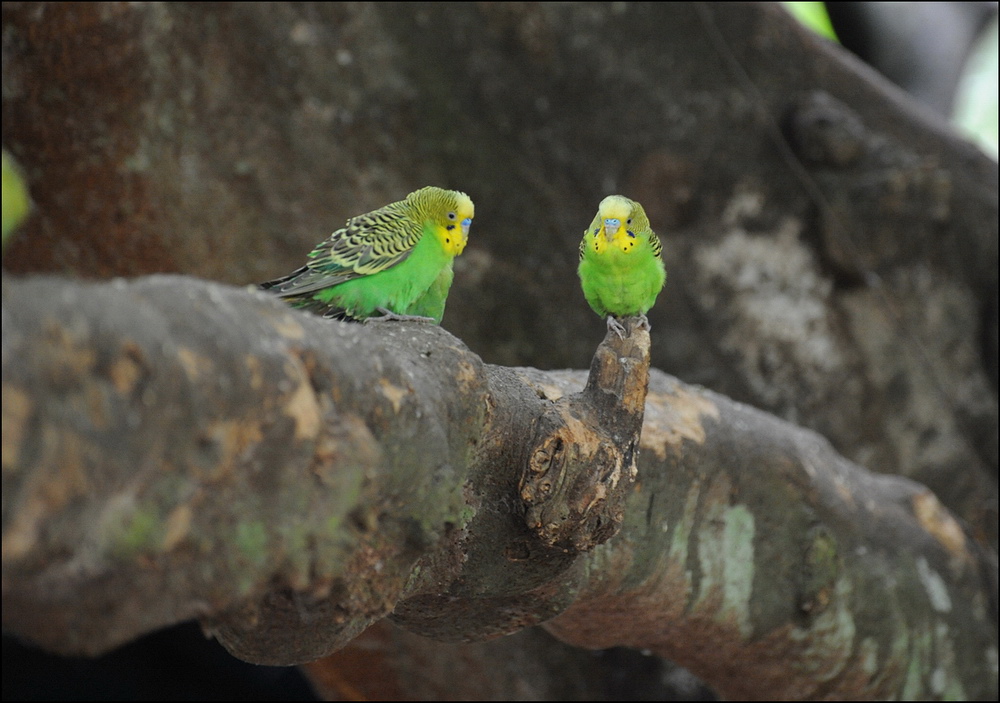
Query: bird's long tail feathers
x,y
279,282
305,302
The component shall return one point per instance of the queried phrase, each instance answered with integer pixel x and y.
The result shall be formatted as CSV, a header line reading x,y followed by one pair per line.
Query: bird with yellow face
x,y
396,261
621,265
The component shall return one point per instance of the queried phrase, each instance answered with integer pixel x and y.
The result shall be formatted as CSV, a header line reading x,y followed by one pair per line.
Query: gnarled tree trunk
x,y
832,259
179,449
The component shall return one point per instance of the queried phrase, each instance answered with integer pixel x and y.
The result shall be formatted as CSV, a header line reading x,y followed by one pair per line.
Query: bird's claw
x,y
620,329
388,315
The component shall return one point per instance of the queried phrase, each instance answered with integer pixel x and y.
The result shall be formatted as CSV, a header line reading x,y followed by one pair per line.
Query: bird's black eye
x,y
452,216
628,221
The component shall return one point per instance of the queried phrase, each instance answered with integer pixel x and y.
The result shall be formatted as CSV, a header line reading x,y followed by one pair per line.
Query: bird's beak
x,y
465,227
611,226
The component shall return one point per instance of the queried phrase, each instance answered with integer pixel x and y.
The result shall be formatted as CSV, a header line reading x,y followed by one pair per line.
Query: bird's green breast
x,y
621,280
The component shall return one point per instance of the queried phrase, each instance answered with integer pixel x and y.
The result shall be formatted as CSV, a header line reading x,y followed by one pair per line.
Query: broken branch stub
x,y
582,458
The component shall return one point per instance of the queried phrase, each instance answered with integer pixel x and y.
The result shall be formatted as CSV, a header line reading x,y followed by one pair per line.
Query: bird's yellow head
x,y
450,212
617,222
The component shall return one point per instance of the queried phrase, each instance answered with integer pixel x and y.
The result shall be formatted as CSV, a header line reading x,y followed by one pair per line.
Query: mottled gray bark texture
x,y
831,247
175,449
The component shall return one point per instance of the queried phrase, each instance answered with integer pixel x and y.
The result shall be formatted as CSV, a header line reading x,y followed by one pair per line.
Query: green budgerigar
x,y
392,263
621,264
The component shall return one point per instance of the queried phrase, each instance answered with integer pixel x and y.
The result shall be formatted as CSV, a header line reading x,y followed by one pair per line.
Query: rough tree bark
x,y
175,448
831,248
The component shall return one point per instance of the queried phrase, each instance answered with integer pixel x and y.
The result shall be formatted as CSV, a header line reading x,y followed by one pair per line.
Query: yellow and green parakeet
x,y
621,267
396,261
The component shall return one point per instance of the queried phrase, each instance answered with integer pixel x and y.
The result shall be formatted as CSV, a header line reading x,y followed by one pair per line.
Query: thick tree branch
x,y
175,449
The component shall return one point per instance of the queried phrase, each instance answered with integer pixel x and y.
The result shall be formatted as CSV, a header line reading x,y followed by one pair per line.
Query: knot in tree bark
x,y
582,461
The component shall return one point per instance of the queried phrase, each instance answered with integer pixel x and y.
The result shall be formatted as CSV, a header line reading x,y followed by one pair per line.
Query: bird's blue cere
x,y
465,225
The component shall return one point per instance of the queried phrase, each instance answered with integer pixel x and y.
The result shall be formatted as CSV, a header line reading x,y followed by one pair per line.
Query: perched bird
x,y
621,267
396,261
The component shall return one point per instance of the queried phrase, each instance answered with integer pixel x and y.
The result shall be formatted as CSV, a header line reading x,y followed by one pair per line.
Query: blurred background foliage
x,y
942,53
16,203
976,101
